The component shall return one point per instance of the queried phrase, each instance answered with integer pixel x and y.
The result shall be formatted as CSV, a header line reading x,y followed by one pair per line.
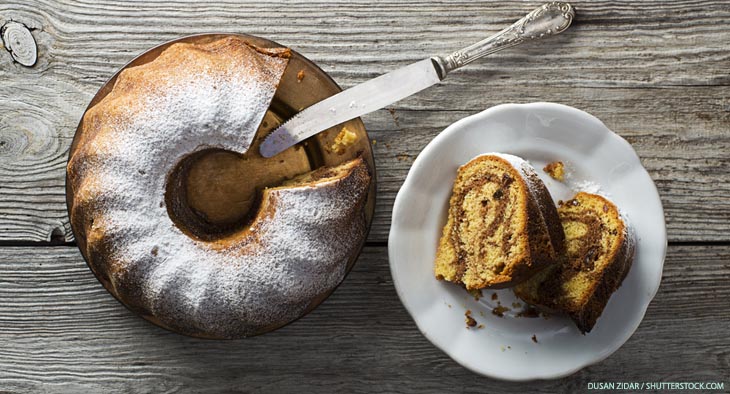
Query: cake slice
x,y
600,250
502,225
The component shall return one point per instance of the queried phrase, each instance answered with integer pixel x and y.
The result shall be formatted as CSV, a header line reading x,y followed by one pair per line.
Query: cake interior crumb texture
x,y
490,238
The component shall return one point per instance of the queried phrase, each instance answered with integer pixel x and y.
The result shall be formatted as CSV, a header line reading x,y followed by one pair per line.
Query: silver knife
x,y
549,19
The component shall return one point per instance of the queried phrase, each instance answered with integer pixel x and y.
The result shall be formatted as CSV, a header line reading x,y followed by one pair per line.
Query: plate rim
x,y
408,182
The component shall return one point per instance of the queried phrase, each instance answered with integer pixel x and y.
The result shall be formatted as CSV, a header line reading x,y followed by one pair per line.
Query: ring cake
x,y
502,225
161,256
600,250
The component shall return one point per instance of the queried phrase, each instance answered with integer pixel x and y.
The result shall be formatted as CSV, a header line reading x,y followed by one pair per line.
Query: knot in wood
x,y
20,43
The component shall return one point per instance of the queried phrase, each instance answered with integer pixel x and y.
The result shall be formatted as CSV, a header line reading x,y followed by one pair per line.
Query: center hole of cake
x,y
213,193
218,190
209,194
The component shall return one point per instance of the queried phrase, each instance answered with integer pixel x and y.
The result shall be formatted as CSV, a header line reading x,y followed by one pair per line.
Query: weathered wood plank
x,y
655,72
61,332
655,39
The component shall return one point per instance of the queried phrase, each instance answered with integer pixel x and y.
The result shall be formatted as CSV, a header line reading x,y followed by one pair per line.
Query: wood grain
x,y
18,40
62,332
655,72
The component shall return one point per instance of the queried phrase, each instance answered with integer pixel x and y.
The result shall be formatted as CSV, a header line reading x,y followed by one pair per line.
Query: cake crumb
x,y
499,310
476,293
375,142
556,170
344,139
494,296
534,338
516,305
300,75
470,322
480,326
394,116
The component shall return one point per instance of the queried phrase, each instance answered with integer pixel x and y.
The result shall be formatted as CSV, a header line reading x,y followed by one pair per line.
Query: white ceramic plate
x,y
540,133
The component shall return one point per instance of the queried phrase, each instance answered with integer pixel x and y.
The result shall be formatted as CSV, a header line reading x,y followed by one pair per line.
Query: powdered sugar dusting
x,y
213,101
588,187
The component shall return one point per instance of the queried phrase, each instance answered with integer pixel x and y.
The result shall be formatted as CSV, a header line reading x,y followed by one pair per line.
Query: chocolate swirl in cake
x,y
492,207
584,250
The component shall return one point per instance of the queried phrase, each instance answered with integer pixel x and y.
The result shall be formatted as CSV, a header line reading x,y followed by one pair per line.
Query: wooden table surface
x,y
656,72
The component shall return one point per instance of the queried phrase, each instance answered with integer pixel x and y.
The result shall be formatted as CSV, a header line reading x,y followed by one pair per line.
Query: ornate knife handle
x,y
547,20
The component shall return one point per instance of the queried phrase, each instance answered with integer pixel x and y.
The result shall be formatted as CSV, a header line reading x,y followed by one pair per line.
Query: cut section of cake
x,y
502,225
600,250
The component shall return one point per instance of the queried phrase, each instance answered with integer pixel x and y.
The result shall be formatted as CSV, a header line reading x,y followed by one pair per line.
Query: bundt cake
x,y
600,250
129,209
502,225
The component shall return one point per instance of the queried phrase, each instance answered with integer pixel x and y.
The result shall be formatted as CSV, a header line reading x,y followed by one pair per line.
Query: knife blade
x,y
351,103
549,19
